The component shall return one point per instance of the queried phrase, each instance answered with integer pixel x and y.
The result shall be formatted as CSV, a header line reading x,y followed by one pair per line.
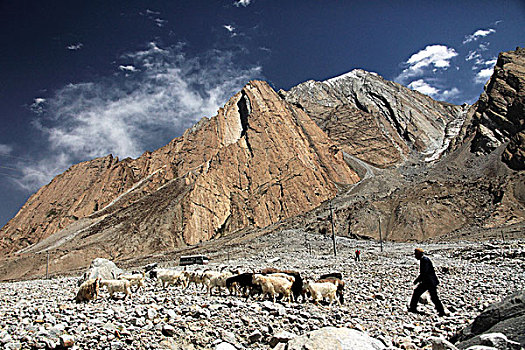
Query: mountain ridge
x,y
277,160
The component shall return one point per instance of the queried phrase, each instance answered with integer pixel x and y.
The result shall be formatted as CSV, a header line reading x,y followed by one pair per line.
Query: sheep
x,y
272,285
88,290
321,290
136,279
297,286
218,281
340,284
114,286
170,277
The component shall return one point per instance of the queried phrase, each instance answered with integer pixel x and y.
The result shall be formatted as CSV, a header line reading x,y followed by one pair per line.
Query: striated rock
x,y
259,161
376,120
500,112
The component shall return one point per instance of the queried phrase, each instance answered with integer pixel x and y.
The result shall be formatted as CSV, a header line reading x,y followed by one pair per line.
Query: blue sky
x,y
82,79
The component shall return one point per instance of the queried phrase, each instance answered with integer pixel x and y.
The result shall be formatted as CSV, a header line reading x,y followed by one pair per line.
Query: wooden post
x,y
380,235
47,266
333,230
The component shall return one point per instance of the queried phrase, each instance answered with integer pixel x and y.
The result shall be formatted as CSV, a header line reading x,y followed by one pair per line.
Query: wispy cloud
x,y
432,57
38,105
423,87
126,115
128,68
483,75
243,3
433,91
75,47
5,149
480,33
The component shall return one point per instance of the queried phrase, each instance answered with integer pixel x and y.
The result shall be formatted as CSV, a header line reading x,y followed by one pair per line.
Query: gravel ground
x,y
41,313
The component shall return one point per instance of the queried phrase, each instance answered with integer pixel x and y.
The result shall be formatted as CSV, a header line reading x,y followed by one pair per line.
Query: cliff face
x,y
376,120
500,114
260,160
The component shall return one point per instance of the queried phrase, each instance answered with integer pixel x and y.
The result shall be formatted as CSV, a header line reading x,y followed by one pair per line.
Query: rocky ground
x,y
41,313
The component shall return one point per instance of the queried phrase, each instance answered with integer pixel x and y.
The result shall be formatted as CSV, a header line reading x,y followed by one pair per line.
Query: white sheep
x,y
135,279
318,291
217,281
115,286
273,285
170,277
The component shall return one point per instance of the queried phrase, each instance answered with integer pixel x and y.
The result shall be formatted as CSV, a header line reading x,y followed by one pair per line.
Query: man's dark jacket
x,y
427,275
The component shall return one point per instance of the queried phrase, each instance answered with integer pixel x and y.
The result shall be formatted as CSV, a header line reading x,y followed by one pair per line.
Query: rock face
x,y
260,160
500,114
507,316
376,120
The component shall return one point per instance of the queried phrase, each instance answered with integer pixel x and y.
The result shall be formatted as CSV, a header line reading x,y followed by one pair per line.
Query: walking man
x,y
427,280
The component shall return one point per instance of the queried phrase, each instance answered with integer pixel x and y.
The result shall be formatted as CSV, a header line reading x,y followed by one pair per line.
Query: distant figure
x,y
357,255
427,280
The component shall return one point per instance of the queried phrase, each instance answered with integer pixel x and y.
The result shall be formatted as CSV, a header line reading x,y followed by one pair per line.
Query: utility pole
x,y
47,266
333,230
380,234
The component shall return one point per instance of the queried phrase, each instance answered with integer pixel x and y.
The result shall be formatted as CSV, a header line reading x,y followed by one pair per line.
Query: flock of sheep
x,y
268,282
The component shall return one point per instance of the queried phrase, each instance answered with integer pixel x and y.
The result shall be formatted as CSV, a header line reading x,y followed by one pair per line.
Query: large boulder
x,y
332,338
506,317
103,268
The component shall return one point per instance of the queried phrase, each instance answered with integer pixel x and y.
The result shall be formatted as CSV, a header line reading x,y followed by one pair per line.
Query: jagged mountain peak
x,y
402,123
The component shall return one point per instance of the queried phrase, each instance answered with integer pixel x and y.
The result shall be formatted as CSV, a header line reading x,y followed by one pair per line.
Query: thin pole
x,y
380,235
47,266
333,230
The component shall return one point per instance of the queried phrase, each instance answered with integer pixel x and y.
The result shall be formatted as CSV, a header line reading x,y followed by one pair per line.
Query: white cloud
x,y
473,54
5,149
242,3
75,47
229,28
125,116
431,58
160,22
423,87
128,68
38,105
480,33
434,92
483,75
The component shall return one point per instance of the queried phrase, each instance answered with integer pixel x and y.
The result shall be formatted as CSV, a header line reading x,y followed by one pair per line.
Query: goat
x,y
136,279
245,283
88,290
114,286
218,281
297,286
320,290
339,283
338,275
170,277
272,285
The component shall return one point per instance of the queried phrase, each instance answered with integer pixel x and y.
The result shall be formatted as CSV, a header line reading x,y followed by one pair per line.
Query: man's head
x,y
418,253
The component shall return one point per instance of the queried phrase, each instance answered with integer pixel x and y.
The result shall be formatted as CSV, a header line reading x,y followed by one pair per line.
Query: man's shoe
x,y
414,311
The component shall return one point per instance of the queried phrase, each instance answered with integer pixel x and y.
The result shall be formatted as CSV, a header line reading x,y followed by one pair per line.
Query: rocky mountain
x,y
260,160
378,121
394,164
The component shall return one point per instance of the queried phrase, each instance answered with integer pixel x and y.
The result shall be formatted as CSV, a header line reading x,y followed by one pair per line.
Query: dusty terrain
x,y
472,275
